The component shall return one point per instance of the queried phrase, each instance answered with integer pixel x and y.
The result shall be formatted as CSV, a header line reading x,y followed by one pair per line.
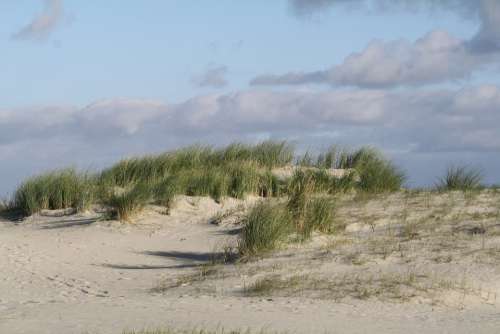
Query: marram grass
x,y
60,189
266,226
460,178
236,170
130,202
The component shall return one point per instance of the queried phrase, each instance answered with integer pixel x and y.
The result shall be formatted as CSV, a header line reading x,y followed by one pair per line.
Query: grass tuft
x,y
130,202
164,192
376,173
460,178
265,227
61,189
320,215
301,187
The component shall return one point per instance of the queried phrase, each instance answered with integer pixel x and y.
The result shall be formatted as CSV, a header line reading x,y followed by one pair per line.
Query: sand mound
x,y
416,262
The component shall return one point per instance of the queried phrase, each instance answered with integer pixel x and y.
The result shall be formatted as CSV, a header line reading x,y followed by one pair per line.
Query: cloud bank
x,y
437,57
43,24
463,119
418,123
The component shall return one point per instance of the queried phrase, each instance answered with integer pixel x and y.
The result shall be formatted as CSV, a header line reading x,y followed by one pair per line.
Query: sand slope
x,y
73,275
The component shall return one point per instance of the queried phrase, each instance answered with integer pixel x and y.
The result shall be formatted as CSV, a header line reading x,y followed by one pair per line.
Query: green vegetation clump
x,y
310,212
61,189
269,185
265,227
268,154
129,202
460,178
376,173
268,225
302,185
164,192
234,171
320,215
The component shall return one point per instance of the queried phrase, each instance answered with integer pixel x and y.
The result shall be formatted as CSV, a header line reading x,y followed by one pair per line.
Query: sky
x,y
86,83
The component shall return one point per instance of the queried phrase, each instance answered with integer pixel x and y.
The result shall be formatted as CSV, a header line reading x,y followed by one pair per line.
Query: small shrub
x,y
460,178
265,227
130,202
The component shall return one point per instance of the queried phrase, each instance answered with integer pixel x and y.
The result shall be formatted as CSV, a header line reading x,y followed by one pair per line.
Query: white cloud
x,y
417,122
214,77
123,116
43,24
435,58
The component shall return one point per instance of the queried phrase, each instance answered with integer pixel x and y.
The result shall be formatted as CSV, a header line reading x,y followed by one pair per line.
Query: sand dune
x,y
407,263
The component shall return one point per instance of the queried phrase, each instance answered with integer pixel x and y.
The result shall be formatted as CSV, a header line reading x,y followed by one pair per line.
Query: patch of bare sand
x,y
408,262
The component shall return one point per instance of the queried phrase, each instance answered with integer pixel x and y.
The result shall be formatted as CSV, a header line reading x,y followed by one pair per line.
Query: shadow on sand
x,y
186,259
68,223
148,267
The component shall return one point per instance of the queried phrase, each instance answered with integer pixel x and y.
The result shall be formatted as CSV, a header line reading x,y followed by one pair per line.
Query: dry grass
x,y
199,331
412,247
202,273
389,286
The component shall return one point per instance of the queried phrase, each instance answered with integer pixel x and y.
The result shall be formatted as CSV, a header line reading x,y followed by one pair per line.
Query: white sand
x,y
97,277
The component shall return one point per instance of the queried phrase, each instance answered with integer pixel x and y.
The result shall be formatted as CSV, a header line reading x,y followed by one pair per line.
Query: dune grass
x,y
302,185
370,170
129,202
236,170
460,178
319,216
59,189
268,154
269,185
310,211
269,224
266,226
164,192
376,173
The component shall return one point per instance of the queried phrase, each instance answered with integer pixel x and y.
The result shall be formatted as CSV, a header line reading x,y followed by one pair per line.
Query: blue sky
x,y
127,48
87,82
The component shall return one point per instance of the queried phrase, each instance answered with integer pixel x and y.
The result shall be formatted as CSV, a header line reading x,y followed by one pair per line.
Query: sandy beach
x,y
73,274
